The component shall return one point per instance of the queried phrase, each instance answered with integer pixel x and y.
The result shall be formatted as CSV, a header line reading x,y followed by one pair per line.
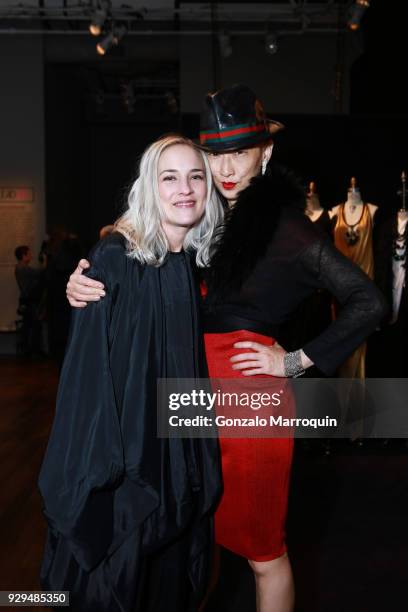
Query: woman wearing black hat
x,y
268,259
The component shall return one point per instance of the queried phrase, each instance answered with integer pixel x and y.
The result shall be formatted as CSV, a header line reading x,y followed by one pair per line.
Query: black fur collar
x,y
249,227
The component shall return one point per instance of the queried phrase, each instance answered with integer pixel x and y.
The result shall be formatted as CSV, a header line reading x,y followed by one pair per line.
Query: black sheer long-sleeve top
x,y
270,258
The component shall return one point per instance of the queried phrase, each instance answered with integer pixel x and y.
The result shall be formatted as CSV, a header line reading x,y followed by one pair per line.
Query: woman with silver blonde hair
x,y
127,510
141,224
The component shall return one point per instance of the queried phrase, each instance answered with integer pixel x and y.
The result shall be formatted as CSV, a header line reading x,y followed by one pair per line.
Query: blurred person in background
x,y
31,307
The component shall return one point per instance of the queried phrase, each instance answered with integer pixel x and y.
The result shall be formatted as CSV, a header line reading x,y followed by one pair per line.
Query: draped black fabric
x,y
115,496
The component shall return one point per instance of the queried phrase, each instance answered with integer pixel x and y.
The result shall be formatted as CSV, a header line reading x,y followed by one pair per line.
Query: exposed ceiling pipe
x,y
42,32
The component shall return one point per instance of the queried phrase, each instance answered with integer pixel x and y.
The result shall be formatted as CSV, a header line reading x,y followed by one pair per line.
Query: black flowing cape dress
x,y
129,514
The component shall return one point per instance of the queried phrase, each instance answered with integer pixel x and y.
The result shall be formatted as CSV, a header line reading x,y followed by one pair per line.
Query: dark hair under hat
x,y
233,118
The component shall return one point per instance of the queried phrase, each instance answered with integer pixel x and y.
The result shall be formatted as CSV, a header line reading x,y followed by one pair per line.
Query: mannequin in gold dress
x,y
353,236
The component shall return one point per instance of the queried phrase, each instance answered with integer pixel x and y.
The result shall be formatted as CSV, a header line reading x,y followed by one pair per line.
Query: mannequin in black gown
x,y
316,213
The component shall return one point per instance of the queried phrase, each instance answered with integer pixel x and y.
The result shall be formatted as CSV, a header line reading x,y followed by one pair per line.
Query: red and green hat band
x,y
232,133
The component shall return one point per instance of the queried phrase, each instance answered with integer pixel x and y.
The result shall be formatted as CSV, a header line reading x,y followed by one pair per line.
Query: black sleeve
x,y
84,458
362,305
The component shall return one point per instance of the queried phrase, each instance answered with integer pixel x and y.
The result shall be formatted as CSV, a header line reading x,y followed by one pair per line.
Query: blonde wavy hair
x,y
141,222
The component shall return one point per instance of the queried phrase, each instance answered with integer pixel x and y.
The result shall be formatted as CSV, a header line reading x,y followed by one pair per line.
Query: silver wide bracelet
x,y
293,364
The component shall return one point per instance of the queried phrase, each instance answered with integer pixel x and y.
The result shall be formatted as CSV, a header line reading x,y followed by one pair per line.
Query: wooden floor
x,y
27,399
347,524
347,533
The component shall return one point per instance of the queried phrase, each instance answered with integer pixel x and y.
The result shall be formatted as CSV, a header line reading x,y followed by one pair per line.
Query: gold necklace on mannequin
x,y
354,201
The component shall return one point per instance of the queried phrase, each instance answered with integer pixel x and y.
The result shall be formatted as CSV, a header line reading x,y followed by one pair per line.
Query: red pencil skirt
x,y
250,519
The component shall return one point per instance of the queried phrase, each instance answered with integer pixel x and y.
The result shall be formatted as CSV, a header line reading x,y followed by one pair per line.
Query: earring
x,y
264,164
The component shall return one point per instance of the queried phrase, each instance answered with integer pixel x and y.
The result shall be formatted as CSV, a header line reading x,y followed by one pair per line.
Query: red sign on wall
x,y
17,195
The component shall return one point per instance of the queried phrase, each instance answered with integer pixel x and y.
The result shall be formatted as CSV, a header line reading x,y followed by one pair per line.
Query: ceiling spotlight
x,y
99,18
111,39
105,44
224,40
356,13
271,43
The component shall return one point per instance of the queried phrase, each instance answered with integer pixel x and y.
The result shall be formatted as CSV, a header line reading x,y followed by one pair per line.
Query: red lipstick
x,y
228,185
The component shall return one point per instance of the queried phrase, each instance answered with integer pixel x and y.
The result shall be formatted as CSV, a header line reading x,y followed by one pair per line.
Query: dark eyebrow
x,y
192,170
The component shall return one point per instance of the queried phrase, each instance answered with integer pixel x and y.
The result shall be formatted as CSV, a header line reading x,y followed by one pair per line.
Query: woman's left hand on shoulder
x,y
261,360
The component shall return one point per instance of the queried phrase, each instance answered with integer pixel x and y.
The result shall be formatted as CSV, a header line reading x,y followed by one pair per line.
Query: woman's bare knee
x,y
263,568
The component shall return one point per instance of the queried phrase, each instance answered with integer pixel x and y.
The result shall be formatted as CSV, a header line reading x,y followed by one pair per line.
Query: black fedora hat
x,y
233,118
